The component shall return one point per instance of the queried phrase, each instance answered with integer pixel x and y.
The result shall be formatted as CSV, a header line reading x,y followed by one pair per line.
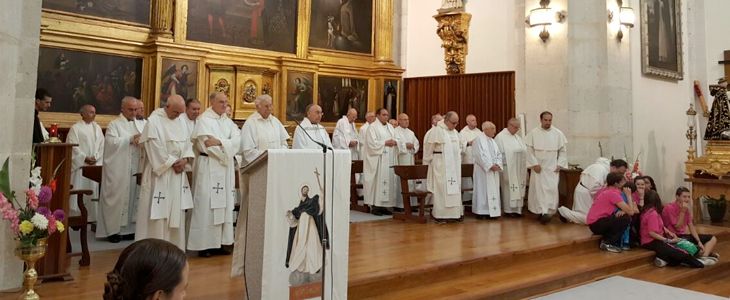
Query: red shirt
x,y
604,205
651,221
670,216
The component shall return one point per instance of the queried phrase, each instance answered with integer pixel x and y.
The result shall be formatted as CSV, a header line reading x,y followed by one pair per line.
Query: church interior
x,y
636,88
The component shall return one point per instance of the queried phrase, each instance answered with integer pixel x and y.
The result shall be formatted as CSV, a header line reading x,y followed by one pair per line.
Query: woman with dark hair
x,y
650,185
148,269
605,219
656,237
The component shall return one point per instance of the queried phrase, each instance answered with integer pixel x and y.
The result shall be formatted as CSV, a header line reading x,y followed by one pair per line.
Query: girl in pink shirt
x,y
603,217
654,236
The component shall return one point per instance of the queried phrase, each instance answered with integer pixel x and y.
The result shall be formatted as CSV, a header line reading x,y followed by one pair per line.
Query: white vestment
x,y
406,157
189,124
592,180
345,132
514,170
164,195
468,135
212,222
442,151
486,200
361,135
259,134
90,142
546,148
379,179
118,201
317,132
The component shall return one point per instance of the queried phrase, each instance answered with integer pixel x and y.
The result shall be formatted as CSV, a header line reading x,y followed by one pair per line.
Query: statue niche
x,y
718,125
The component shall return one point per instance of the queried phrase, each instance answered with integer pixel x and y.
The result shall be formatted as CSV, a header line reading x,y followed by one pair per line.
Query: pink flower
x,y
3,199
59,214
44,196
15,224
32,199
43,211
51,225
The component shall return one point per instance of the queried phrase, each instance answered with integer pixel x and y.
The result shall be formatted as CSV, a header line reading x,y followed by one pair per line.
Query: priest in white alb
x,y
546,155
89,152
117,204
592,180
468,134
262,131
165,193
442,151
408,146
217,140
514,169
309,133
346,136
381,153
487,167
192,111
369,119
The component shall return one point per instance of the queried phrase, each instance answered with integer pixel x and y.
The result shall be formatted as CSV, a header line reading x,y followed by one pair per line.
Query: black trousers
x,y
704,238
611,228
671,255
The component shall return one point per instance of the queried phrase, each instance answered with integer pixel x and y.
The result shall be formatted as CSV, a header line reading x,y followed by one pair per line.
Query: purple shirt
x,y
604,205
670,216
650,222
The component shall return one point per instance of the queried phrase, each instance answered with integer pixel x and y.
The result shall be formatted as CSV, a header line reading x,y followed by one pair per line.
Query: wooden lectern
x,y
49,156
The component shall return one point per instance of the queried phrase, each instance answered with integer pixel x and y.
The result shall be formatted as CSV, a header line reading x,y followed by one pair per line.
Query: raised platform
x,y
476,259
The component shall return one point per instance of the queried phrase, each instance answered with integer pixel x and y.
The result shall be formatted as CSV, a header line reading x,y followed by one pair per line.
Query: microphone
x,y
324,147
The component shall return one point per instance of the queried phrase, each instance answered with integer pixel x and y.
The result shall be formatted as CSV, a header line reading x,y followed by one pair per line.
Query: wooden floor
x,y
501,259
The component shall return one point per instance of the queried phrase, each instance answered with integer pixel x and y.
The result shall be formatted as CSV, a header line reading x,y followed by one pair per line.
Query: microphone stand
x,y
324,234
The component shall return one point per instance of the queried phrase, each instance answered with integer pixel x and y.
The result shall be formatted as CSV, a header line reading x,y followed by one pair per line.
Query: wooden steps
x,y
530,272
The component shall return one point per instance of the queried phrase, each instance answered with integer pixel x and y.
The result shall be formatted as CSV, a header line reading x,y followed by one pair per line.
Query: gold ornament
x,y
30,254
453,29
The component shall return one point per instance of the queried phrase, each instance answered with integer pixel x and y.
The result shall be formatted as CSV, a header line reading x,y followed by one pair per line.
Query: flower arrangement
x,y
34,220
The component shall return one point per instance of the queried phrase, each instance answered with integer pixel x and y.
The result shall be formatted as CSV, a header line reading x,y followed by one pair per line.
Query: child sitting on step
x,y
677,217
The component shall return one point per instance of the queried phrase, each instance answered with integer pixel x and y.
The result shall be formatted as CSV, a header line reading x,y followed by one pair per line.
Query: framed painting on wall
x,y
75,78
344,25
300,93
178,77
661,38
338,94
390,97
259,24
134,11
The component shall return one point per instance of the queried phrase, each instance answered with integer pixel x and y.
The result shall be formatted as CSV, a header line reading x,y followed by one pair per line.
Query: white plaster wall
x,y
717,37
493,37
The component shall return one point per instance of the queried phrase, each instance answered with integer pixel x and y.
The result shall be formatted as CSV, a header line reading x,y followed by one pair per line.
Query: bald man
x,y
118,187
89,152
316,131
407,148
262,131
369,119
514,171
442,153
165,193
217,140
468,134
345,135
487,166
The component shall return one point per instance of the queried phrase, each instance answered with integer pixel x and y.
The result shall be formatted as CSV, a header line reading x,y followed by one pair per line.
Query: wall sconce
x,y
626,18
544,16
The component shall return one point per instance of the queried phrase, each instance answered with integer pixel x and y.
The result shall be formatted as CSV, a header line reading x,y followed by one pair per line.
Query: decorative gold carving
x,y
383,31
453,29
223,86
716,160
162,18
249,91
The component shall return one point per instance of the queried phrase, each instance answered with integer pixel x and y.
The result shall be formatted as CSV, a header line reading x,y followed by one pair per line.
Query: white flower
x,y
35,180
39,221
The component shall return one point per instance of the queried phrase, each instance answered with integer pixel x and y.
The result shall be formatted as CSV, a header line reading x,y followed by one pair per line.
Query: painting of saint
x,y
390,97
135,11
661,38
339,94
299,94
179,77
259,24
344,25
76,78
308,237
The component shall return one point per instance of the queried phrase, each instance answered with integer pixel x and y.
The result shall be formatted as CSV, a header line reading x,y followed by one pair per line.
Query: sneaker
x,y
610,248
715,255
707,261
660,262
625,248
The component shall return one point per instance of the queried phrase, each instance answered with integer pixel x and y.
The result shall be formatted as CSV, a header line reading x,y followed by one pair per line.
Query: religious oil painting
x,y
344,25
75,78
390,97
661,38
179,77
135,11
339,94
300,92
259,24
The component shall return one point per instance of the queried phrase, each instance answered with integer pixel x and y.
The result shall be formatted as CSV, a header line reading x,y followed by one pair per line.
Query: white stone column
x,y
19,40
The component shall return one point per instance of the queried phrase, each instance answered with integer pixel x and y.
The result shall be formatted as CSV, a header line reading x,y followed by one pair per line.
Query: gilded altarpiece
x,y
212,51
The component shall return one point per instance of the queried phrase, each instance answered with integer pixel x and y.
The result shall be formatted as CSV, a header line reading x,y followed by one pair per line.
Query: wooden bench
x,y
406,173
80,223
355,170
